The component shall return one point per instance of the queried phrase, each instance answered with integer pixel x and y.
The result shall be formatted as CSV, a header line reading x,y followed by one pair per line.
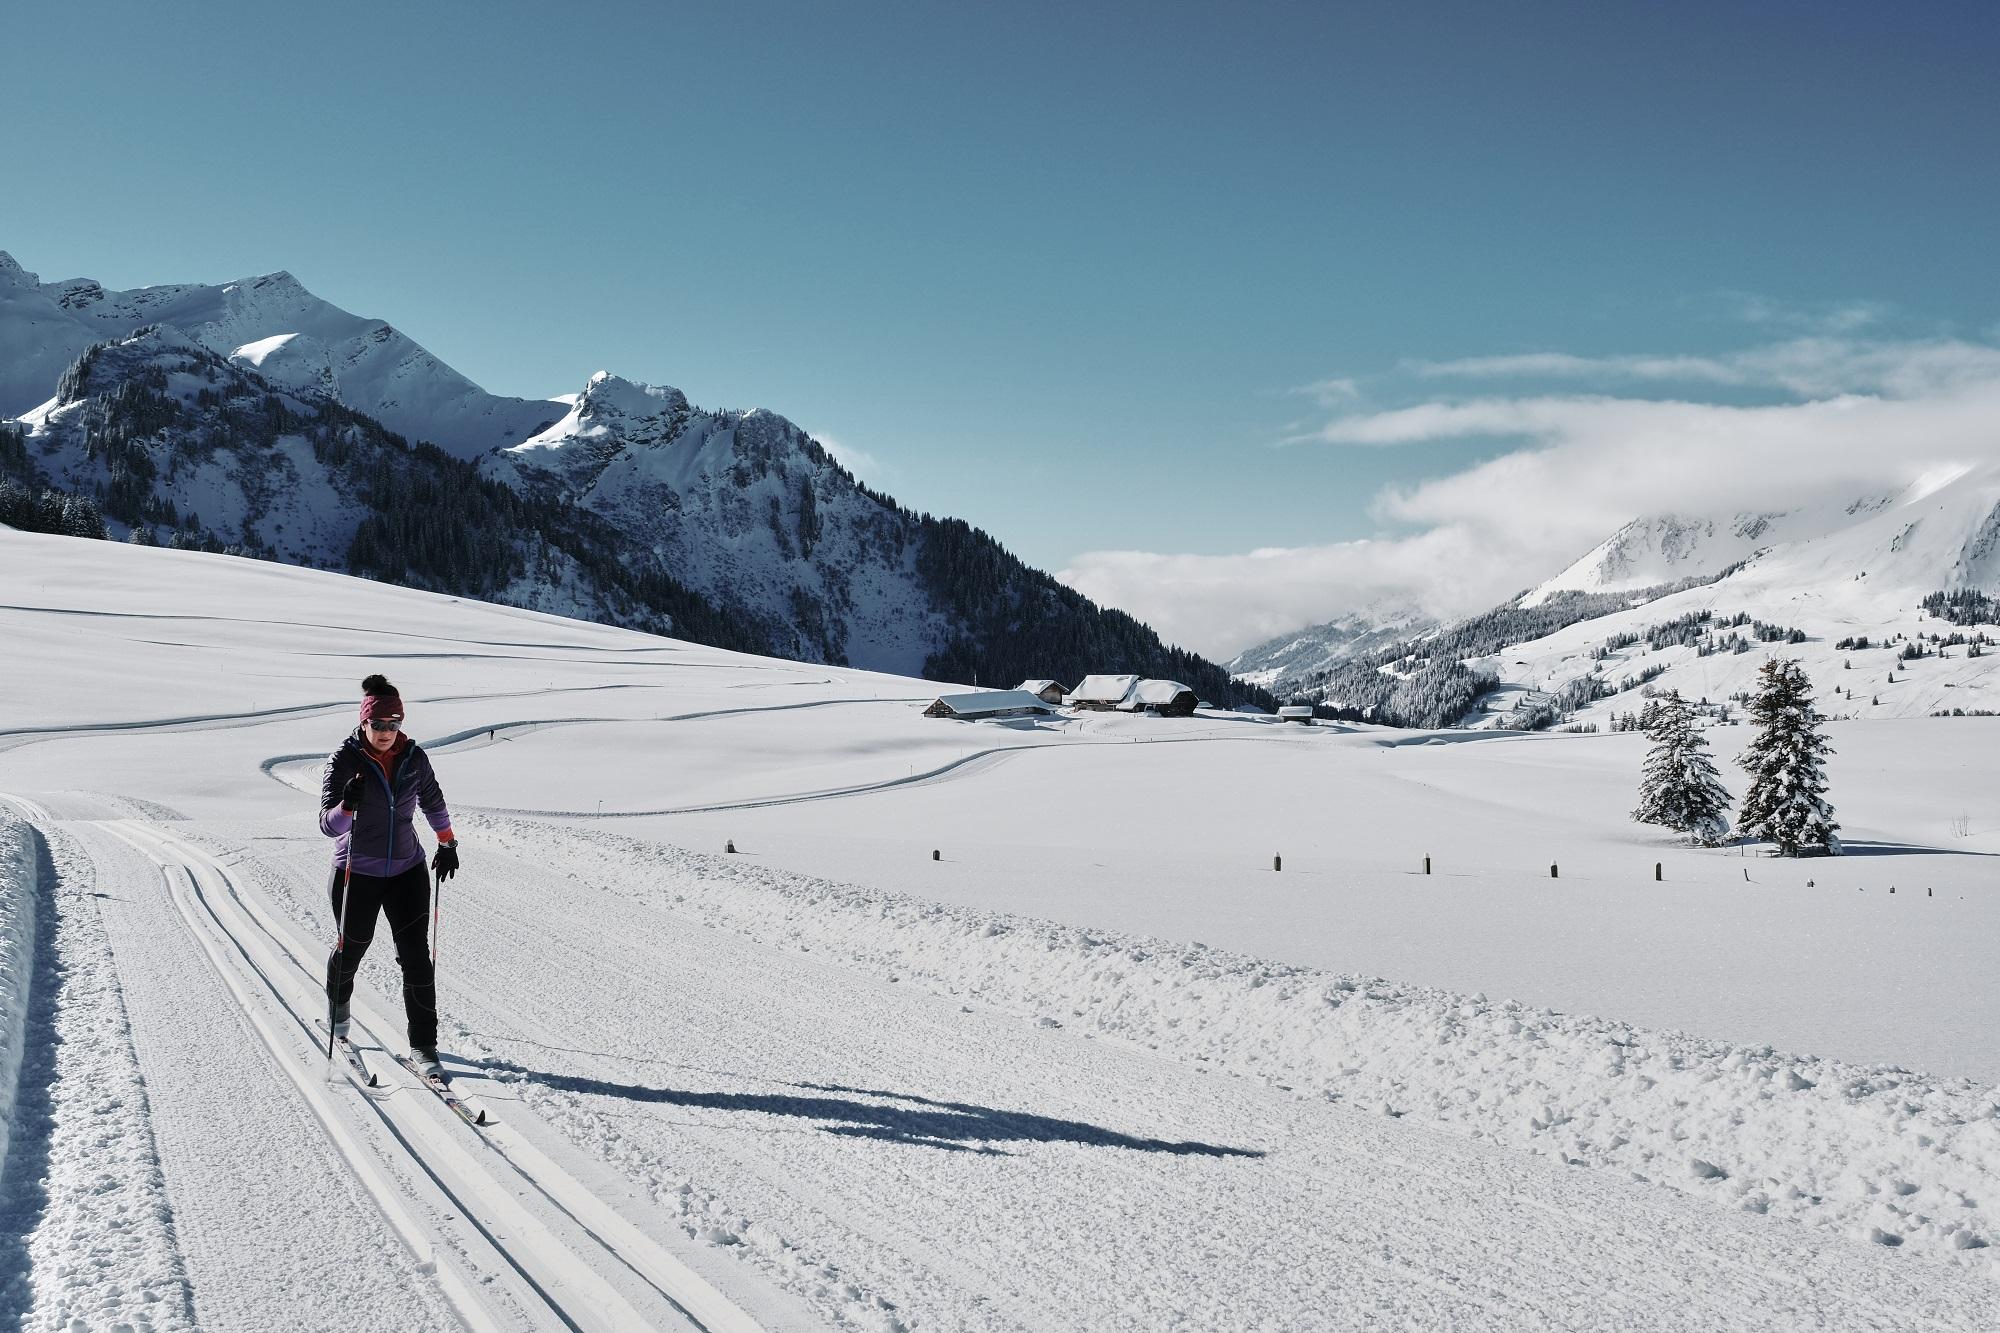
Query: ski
x,y
355,1064
435,1080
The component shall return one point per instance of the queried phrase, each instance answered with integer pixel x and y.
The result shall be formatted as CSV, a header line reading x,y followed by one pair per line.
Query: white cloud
x,y
1810,367
1874,415
1331,392
1220,605
1832,317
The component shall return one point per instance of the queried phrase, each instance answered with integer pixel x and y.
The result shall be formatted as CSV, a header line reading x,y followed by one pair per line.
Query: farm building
x,y
1297,713
1168,698
971,707
1048,691
1101,692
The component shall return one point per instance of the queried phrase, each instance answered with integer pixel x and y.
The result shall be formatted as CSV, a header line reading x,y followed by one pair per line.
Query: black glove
x,y
445,864
350,795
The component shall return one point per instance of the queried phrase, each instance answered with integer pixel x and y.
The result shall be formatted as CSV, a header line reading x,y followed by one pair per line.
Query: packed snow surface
x,y
994,1025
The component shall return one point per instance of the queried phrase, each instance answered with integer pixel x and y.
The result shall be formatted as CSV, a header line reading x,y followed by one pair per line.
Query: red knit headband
x,y
384,706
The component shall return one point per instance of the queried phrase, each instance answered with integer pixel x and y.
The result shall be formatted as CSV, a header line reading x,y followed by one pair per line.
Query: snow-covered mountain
x,y
1697,604
1317,648
1864,578
253,416
1657,549
176,444
746,508
273,325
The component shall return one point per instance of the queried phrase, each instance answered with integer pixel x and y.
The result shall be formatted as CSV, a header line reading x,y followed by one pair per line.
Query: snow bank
x,y
1881,1153
17,959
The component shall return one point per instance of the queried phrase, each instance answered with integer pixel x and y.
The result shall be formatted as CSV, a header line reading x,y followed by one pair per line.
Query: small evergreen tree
x,y
1678,785
1786,803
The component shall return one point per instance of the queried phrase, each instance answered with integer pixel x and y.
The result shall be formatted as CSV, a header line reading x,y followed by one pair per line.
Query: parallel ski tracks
x,y
498,1181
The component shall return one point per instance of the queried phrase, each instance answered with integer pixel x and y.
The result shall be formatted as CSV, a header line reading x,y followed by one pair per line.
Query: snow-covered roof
x,y
977,702
1037,686
1153,693
1103,689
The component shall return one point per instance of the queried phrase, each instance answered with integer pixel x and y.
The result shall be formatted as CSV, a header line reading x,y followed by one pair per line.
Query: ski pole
x,y
437,917
339,949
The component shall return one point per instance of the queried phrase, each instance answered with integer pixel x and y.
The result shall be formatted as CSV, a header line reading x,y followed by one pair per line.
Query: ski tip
x,y
481,1119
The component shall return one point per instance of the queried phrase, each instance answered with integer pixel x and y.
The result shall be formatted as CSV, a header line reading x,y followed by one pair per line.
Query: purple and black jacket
x,y
380,838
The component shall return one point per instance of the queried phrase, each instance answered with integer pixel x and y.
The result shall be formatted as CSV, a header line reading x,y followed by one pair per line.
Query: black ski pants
x,y
405,900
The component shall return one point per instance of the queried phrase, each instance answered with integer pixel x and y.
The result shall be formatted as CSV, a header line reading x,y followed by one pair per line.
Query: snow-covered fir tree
x,y
1786,803
1678,785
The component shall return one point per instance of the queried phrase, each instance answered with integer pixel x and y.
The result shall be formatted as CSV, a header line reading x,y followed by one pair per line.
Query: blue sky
x,y
1061,270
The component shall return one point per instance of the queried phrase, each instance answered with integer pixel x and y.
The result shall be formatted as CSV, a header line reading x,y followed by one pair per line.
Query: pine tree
x,y
1678,785
1786,803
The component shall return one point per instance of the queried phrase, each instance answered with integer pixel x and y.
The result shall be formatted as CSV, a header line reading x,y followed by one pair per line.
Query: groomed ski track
x,y
1132,1195
523,1214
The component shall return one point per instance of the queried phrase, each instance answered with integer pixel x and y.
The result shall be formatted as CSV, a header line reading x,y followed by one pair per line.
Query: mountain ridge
x,y
1814,582
736,519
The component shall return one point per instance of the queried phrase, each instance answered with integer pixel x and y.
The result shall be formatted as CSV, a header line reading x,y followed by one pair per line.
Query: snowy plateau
x,y
795,1009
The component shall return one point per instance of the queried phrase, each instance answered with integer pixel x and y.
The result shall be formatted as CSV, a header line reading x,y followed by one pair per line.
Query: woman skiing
x,y
371,787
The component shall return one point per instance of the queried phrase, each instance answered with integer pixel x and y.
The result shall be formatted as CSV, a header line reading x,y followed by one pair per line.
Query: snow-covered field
x,y
1096,1065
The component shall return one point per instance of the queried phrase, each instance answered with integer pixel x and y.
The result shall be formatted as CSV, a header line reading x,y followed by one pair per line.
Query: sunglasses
x,y
385,724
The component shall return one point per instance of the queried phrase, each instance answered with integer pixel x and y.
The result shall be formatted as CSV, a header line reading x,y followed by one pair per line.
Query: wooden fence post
x,y
1656,872
935,856
1552,873
1427,865
729,846
1277,863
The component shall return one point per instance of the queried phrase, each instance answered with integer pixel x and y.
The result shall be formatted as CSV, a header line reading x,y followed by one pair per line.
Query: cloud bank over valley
x,y
1597,441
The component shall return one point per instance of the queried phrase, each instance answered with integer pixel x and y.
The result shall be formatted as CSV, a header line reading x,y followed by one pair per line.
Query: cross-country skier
x,y
371,787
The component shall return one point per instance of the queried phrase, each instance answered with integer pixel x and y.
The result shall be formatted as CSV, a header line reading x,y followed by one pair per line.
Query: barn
x,y
973,707
1048,691
1101,692
1168,698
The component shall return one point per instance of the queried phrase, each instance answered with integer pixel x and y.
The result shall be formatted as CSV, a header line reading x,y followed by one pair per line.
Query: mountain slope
x,y
1317,648
1586,646
271,324
178,444
746,508
623,503
1865,579
1664,548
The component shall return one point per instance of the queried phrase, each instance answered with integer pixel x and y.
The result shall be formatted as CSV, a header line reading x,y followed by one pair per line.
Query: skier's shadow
x,y
894,1117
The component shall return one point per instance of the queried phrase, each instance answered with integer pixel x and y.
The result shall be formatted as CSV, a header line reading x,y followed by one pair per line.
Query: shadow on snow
x,y
895,1117
1860,848
24,1195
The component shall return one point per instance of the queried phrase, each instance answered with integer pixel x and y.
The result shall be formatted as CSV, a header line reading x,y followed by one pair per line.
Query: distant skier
x,y
371,787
